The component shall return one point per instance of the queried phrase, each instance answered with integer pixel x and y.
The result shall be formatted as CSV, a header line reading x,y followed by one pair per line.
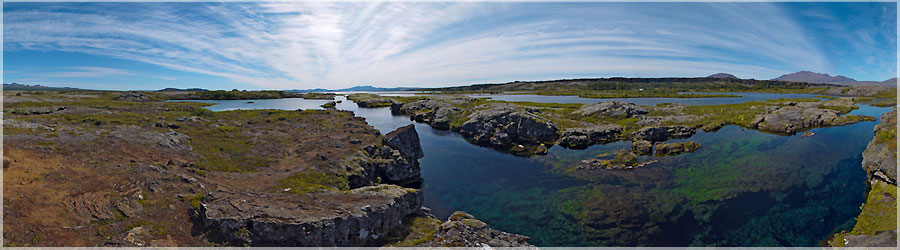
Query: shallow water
x,y
742,188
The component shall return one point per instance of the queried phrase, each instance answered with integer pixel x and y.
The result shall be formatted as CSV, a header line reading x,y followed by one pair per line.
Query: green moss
x,y
195,201
879,213
311,182
839,109
241,233
418,230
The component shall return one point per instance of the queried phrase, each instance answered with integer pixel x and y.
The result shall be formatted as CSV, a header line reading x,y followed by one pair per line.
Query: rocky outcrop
x,y
642,147
430,111
580,138
876,224
395,162
611,109
666,149
38,111
504,126
880,239
278,219
464,230
132,96
405,139
792,119
663,133
880,156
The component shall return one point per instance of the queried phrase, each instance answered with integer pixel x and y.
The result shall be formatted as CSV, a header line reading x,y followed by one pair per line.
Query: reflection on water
x,y
742,188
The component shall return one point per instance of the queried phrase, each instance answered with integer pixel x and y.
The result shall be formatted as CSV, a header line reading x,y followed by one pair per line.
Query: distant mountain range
x,y
178,90
17,86
723,76
357,88
813,77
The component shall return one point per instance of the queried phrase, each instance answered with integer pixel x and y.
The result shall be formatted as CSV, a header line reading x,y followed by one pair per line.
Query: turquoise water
x,y
742,188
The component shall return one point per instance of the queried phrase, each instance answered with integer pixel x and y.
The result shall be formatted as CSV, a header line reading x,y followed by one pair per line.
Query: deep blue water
x,y
742,188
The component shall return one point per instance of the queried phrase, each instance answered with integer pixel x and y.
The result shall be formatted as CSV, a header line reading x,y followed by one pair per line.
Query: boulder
x,y
504,126
666,149
406,140
793,119
464,230
880,239
663,133
433,112
642,147
132,96
612,109
580,138
356,218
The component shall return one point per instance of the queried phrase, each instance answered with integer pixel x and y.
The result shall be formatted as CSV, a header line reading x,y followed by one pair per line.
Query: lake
x,y
742,188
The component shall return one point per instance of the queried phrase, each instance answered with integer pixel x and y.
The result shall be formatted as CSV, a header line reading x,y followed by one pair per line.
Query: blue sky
x,y
337,45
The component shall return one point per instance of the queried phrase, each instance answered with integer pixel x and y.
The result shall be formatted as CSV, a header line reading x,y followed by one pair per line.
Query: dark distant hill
x,y
813,77
357,88
622,83
723,76
17,86
178,90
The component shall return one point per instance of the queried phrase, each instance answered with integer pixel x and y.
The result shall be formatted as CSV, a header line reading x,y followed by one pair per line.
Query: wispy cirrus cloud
x,y
89,72
304,45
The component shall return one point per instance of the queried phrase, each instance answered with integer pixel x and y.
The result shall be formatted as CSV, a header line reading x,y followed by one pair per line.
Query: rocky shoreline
x,y
121,169
530,128
876,225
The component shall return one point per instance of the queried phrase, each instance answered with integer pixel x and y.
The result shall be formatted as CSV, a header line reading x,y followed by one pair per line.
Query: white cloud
x,y
306,45
88,72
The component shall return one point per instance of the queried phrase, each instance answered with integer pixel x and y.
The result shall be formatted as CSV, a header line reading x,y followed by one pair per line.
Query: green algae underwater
x,y
742,188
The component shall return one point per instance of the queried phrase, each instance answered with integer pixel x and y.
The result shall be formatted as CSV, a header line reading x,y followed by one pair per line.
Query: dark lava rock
x,y
581,138
396,162
665,149
663,133
611,108
132,96
374,102
289,220
501,126
793,119
405,139
642,147
880,239
464,230
38,110
880,156
433,112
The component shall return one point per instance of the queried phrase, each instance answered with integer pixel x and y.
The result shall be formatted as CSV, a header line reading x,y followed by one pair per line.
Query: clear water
x,y
742,188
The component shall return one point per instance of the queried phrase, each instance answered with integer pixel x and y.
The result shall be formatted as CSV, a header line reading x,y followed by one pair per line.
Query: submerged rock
x,y
267,219
666,149
642,147
611,108
663,133
580,138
